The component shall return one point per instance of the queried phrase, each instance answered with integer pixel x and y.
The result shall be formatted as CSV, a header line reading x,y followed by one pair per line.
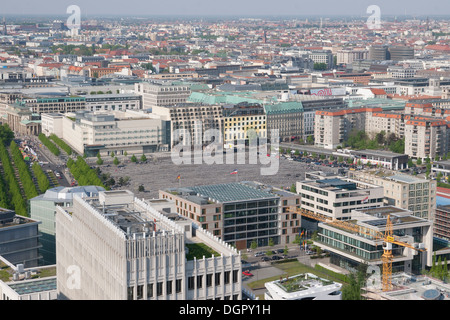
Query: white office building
x,y
134,132
122,248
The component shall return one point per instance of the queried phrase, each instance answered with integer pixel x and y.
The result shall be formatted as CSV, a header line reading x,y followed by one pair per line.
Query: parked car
x,y
247,273
265,258
274,258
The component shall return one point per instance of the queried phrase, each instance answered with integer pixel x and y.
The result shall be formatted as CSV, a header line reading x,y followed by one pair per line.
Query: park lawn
x,y
290,269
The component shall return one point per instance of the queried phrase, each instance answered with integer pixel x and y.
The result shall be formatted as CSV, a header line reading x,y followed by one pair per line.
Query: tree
x,y
320,66
143,158
310,140
419,161
253,245
99,161
133,158
271,243
141,188
293,188
112,154
116,161
410,163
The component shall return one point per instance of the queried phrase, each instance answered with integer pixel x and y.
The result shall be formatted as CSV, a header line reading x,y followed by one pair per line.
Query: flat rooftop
x,y
379,153
228,192
407,287
302,282
28,287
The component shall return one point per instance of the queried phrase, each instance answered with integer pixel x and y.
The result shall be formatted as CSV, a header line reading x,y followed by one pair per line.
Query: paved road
x,y
54,163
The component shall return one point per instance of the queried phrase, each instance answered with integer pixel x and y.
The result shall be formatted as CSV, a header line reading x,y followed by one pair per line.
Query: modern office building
x,y
400,53
161,94
403,191
28,283
335,197
43,208
378,53
19,239
121,248
305,286
442,222
349,249
113,102
134,132
239,213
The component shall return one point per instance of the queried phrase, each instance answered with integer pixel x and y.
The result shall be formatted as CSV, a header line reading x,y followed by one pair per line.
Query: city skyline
x,y
233,8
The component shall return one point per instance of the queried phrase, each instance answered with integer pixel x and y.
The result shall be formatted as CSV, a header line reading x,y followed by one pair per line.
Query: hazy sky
x,y
227,7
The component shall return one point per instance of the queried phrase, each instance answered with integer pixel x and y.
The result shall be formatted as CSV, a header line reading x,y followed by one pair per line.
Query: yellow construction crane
x,y
387,237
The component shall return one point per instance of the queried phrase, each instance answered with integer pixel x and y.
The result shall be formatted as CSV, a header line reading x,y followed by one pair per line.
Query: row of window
x,y
194,282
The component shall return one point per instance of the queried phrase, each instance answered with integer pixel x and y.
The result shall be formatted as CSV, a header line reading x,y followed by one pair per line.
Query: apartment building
x,y
350,249
157,94
347,56
426,138
336,197
239,213
309,111
403,191
114,131
243,122
192,120
332,128
118,247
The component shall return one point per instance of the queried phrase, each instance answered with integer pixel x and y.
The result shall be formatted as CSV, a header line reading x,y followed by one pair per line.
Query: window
x,y
226,277
199,282
235,276
209,280
130,292
159,289
191,284
140,292
217,279
178,287
169,287
150,290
